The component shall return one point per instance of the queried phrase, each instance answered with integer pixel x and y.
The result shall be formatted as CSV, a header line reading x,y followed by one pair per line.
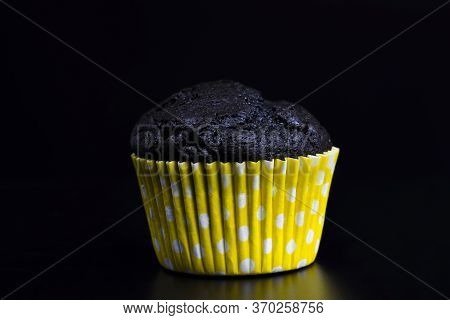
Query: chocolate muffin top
x,y
226,121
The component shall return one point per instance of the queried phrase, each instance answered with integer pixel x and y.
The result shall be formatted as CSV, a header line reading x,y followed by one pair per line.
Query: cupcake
x,y
232,183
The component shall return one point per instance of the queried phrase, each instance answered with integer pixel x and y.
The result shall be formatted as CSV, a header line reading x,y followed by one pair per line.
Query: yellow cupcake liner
x,y
236,218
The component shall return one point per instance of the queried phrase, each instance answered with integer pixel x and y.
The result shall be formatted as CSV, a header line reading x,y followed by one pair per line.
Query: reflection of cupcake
x,y
232,183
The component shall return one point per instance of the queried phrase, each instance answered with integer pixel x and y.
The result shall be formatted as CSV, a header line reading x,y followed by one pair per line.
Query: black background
x,y
66,174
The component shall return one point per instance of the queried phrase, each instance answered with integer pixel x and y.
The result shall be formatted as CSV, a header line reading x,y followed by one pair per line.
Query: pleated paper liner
x,y
236,218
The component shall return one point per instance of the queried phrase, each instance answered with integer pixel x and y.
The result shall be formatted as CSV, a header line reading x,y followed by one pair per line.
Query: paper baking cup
x,y
236,218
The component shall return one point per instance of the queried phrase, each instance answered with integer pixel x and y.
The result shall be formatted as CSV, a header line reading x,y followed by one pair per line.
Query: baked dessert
x,y
232,183
227,121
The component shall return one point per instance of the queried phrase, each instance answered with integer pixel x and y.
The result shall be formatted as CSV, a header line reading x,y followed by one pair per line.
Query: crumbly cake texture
x,y
226,121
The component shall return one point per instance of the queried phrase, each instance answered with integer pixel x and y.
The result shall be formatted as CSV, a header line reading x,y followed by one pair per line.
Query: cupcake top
x,y
226,121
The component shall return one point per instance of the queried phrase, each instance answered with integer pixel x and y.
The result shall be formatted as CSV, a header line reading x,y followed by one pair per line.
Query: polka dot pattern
x,y
188,192
300,218
267,246
274,191
226,214
260,213
255,183
291,246
309,236
169,213
151,214
163,182
168,263
302,263
243,233
242,200
320,220
247,265
277,269
315,206
291,195
203,218
240,168
236,218
316,247
222,246
175,190
226,181
177,246
198,251
320,177
156,244
279,221
324,189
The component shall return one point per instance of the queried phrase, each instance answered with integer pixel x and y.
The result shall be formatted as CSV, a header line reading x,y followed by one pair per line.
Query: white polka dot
x,y
168,263
143,191
169,213
175,190
198,251
302,263
290,247
247,265
267,245
320,177
177,246
331,162
226,213
283,167
243,233
314,161
291,194
242,200
204,220
316,248
260,213
309,236
268,164
222,246
151,213
240,168
255,183
274,190
324,189
300,218
156,244
188,192
279,221
315,206
277,269
226,180
320,219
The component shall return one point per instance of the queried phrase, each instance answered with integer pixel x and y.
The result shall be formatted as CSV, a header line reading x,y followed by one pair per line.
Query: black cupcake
x,y
227,121
232,183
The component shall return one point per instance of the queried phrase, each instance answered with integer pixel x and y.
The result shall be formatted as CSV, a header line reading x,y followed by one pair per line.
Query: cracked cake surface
x,y
226,121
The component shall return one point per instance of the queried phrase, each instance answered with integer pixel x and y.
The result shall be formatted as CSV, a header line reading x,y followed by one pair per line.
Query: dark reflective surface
x,y
120,264
312,282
